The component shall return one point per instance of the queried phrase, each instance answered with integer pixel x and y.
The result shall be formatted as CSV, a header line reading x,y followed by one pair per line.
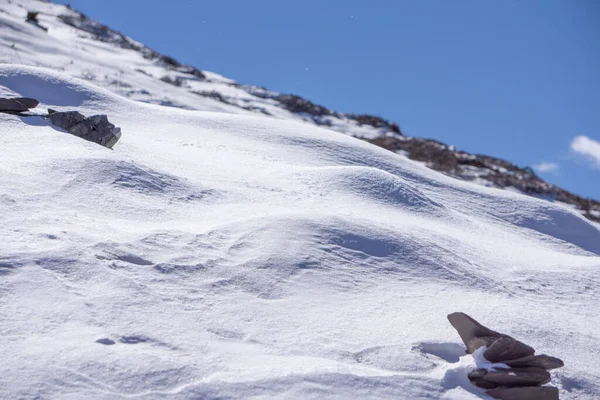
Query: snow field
x,y
232,256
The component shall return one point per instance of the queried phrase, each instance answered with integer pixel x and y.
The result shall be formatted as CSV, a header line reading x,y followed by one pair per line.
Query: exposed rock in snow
x,y
507,348
525,393
241,256
222,253
499,350
541,360
513,377
96,128
17,104
71,34
65,120
32,18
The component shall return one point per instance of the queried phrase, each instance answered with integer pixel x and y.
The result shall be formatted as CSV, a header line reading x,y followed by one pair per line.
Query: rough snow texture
x,y
84,48
232,256
235,255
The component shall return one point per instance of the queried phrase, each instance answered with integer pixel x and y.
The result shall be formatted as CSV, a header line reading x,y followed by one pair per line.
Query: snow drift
x,y
239,256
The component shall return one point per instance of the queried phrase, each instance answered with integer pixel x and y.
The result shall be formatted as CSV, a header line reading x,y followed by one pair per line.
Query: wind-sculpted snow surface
x,y
83,48
222,256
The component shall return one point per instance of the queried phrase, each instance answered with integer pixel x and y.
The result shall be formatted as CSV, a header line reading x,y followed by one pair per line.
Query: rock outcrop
x,y
96,128
476,167
526,372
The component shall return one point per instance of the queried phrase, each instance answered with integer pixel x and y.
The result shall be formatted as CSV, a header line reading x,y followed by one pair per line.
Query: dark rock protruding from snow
x,y
542,361
17,104
65,120
525,393
526,372
514,377
105,341
96,128
32,18
507,348
471,331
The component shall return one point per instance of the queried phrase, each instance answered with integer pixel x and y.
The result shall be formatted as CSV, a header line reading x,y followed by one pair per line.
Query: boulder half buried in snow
x,y
96,128
525,393
526,373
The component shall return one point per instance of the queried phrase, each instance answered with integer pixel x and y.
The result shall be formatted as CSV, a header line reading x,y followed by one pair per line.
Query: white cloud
x,y
587,148
546,167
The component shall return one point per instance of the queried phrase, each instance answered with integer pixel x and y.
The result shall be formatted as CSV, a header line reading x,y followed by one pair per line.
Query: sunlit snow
x,y
217,255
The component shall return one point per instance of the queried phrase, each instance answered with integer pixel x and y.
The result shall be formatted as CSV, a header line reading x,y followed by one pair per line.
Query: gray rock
x,y
540,361
525,393
17,104
96,128
507,348
65,120
105,341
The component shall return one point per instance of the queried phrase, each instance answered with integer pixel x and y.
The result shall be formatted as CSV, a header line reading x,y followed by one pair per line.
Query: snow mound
x,y
49,89
371,184
216,255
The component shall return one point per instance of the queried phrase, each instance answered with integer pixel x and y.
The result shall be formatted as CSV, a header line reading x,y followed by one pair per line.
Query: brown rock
x,y
17,104
28,102
525,393
477,342
540,361
530,376
469,329
477,378
507,348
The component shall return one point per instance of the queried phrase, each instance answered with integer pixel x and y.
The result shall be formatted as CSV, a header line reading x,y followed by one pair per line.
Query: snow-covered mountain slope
x,y
214,255
83,48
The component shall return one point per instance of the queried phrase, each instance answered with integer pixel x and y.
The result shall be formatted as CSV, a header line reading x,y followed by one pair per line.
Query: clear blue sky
x,y
513,79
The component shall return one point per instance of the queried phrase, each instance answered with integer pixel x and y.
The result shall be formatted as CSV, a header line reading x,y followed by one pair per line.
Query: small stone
x,y
105,341
133,339
525,393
